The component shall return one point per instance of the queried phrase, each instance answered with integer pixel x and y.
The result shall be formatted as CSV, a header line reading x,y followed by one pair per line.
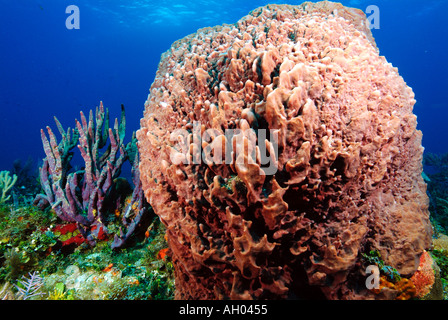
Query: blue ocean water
x,y
48,70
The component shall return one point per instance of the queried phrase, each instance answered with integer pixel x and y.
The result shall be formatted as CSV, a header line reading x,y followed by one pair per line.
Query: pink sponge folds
x,y
304,91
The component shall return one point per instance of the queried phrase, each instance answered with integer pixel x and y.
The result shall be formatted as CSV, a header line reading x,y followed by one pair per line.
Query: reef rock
x,y
279,149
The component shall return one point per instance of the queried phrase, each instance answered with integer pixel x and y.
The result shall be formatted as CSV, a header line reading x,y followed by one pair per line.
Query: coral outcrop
x,y
88,196
277,151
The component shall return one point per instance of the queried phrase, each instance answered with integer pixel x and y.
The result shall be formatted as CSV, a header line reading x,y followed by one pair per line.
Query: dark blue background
x,y
47,70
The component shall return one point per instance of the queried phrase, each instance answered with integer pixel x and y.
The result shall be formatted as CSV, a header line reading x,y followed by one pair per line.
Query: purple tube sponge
x,y
83,196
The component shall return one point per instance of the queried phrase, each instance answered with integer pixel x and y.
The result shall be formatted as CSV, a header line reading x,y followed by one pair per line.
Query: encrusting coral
x,y
324,147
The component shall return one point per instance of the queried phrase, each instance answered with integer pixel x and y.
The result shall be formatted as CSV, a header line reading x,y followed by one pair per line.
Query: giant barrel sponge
x,y
281,150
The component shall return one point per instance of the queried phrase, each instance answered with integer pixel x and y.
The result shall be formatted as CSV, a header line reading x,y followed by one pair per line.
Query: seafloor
x,y
42,258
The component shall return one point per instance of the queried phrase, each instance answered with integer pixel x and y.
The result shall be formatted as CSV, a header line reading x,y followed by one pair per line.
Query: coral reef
x,y
425,283
32,246
95,181
88,197
63,246
440,255
436,172
277,151
436,169
23,240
